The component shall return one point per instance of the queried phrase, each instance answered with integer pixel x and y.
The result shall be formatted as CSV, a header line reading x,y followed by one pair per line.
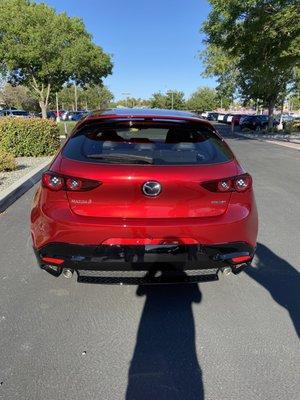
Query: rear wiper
x,y
119,157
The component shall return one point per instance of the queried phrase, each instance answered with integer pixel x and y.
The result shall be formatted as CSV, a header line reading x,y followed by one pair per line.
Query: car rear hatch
x,y
121,193
181,170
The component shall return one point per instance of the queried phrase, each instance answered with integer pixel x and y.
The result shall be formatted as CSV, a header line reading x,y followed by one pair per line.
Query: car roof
x,y
12,110
142,113
145,112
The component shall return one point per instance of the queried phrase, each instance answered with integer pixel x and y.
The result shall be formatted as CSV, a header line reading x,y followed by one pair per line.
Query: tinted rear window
x,y
147,142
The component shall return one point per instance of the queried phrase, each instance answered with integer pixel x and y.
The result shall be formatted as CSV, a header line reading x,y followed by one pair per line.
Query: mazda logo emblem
x,y
151,188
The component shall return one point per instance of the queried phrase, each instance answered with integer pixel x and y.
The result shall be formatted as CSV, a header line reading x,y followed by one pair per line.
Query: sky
x,y
154,44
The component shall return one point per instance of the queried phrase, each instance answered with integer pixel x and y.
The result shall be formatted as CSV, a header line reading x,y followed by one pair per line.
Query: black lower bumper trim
x,y
143,258
149,278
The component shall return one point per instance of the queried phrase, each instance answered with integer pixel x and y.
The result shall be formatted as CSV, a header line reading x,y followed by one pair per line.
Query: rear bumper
x,y
56,223
171,257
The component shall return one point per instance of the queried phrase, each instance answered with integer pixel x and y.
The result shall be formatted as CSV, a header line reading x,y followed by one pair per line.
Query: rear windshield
x,y
147,142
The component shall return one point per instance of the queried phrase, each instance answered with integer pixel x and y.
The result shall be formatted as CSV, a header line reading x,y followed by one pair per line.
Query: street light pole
x,y
167,93
126,94
57,109
75,94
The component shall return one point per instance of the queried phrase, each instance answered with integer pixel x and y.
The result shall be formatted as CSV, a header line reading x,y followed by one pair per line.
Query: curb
x,y
289,144
17,189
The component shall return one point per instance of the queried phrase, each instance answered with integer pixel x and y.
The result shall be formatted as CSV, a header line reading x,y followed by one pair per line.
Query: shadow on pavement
x,y
164,364
225,131
281,279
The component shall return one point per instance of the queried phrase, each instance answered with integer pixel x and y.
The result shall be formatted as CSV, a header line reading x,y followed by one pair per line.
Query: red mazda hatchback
x,y
150,191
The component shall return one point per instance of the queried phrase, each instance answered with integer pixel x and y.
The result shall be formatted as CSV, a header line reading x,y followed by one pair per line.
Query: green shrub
x,y
293,126
271,130
29,137
7,161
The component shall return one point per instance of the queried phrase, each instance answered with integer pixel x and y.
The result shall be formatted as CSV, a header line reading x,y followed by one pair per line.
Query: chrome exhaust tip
x,y
227,271
67,273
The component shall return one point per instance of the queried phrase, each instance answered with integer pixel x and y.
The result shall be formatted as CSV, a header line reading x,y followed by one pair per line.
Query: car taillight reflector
x,y
241,259
239,183
56,182
52,260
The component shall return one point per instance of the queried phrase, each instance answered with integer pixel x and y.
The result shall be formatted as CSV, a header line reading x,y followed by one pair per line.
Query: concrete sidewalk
x,y
22,185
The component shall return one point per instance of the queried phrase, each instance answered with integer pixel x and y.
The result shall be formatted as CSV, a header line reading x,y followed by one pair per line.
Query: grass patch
x,y
66,127
7,161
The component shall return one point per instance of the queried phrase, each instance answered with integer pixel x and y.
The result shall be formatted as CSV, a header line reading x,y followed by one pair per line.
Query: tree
x,y
173,99
133,102
18,97
261,41
203,99
294,102
66,98
219,63
44,50
91,97
97,97
294,98
158,100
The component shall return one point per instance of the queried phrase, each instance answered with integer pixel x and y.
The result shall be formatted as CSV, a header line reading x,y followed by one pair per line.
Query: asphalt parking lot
x,y
237,338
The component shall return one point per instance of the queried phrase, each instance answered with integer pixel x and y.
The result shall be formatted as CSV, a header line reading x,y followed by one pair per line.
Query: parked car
x,y
237,118
205,114
14,113
35,115
141,190
51,115
227,118
221,117
212,116
287,118
73,115
243,118
256,122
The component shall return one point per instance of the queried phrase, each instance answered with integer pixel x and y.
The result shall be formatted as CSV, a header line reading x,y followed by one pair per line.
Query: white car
x,y
205,114
221,117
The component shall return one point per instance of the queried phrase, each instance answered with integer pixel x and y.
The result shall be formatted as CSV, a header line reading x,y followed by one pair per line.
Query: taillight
x,y
224,185
73,184
240,183
56,182
52,181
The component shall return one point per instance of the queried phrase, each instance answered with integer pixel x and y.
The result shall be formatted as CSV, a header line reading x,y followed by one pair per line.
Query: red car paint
x,y
116,212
